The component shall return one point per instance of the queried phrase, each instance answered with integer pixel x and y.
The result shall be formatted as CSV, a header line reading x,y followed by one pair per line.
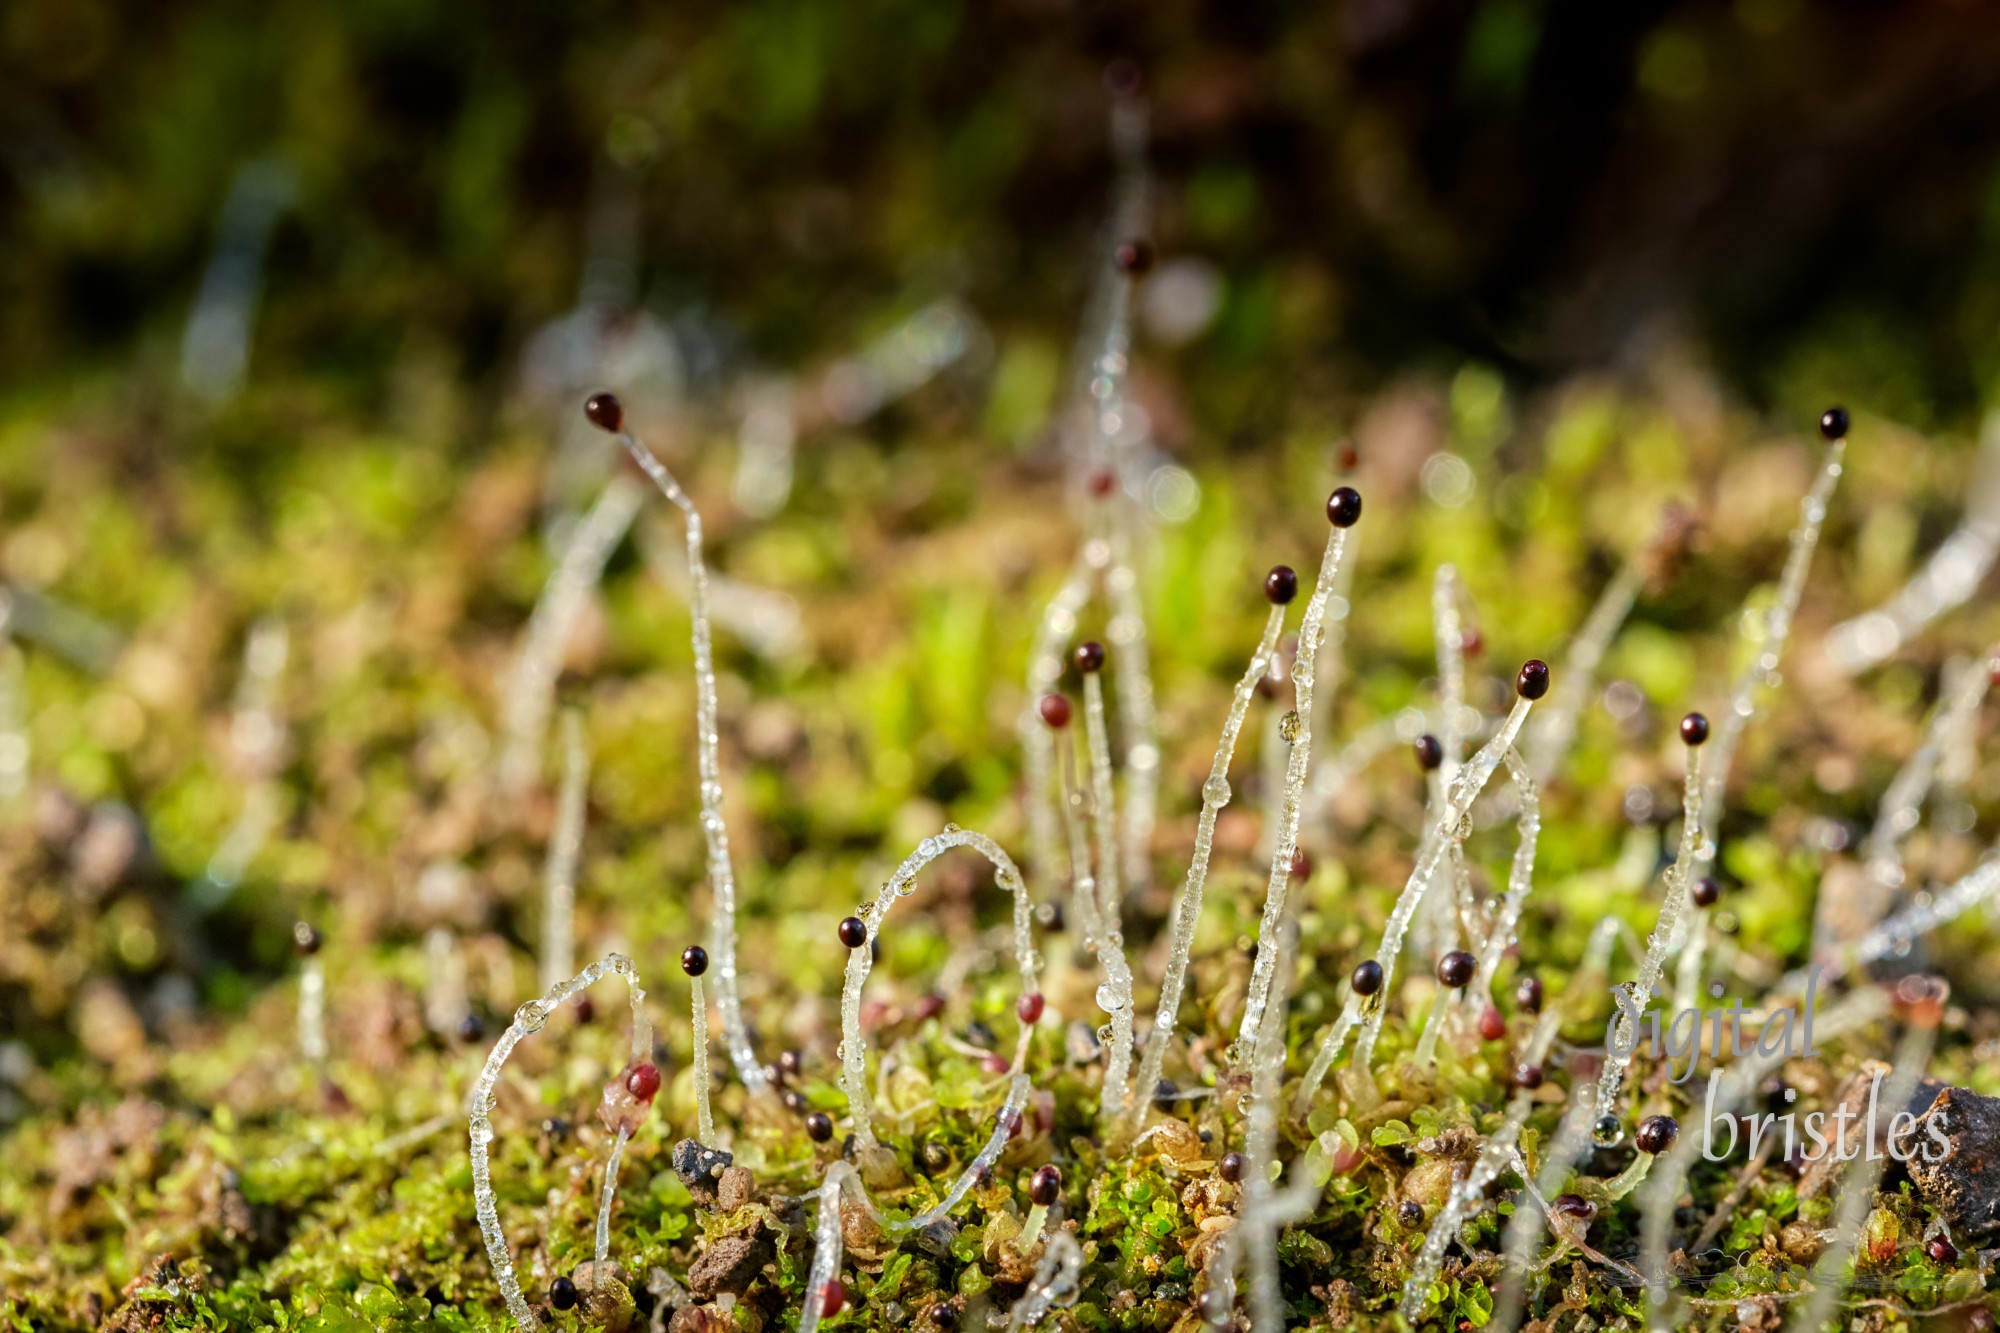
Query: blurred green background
x,y
1806,191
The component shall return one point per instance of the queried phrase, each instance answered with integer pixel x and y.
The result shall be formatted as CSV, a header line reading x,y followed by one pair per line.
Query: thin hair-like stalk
x,y
559,880
714,830
1215,794
1249,1038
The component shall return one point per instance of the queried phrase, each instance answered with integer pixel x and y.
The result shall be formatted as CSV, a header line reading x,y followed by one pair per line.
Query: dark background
x,y
1806,191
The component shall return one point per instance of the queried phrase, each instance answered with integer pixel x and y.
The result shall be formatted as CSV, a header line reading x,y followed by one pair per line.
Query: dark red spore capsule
x,y
1055,710
605,412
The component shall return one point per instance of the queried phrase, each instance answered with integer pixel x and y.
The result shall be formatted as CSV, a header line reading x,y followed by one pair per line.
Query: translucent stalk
x,y
1857,1188
1449,632
559,880
1115,995
312,1012
1332,664
1762,673
853,1045
1464,1198
1427,1042
1057,1282
1505,927
1952,574
996,1143
1732,1088
840,1179
257,735
1525,1227
529,1018
1618,1057
1694,956
715,832
14,741
698,1023
445,1005
1895,936
1104,806
1132,660
1451,825
531,681
1249,1040
1263,1213
602,1268
1045,668
1215,794
1901,808
1556,730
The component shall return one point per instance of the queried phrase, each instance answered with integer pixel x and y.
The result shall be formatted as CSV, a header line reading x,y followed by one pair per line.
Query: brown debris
x,y
1964,1184
730,1264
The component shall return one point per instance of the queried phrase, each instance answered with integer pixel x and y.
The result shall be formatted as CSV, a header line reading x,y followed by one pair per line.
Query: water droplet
x,y
532,1016
1215,791
482,1130
1607,1132
1289,726
1108,998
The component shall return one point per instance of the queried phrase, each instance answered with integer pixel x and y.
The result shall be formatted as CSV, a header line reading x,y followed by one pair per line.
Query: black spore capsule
x,y
306,938
1281,585
1533,682
1089,656
1343,507
1455,968
1833,423
562,1294
694,960
1656,1134
1046,1186
470,1029
1231,1167
1430,752
605,411
1410,1213
853,932
1528,994
1367,977
819,1127
1705,892
1694,729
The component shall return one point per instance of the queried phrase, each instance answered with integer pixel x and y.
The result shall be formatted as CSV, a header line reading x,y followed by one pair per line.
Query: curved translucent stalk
x,y
828,1249
1680,877
1332,664
1732,1087
1857,1187
529,1018
559,880
1460,1203
1104,806
1555,732
1952,574
1249,1039
996,1143
531,681
1426,1053
1115,995
312,1012
1451,825
714,831
698,1025
602,1269
1215,794
1260,1137
1057,1283
853,1045
1762,672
